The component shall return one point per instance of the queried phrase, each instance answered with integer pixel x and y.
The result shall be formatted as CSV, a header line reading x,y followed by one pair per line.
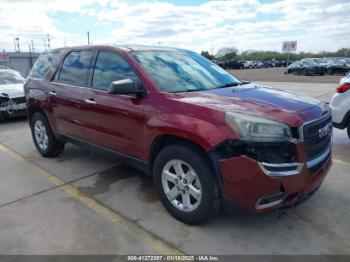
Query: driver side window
x,y
110,67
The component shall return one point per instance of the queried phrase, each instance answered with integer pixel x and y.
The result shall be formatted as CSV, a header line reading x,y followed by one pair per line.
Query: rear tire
x,y
43,137
349,129
186,185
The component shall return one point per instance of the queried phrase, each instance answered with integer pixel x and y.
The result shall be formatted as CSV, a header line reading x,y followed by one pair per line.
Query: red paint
x,y
130,125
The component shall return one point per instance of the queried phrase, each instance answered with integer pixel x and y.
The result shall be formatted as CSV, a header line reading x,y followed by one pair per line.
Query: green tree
x,y
207,55
227,53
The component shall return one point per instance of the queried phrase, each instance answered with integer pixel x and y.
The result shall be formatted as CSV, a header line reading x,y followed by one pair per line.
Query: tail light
x,y
343,87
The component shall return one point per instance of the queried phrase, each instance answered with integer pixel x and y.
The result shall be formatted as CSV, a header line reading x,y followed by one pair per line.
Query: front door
x,y
113,121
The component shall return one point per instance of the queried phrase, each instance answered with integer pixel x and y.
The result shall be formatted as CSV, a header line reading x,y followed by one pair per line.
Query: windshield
x,y
8,77
183,71
309,62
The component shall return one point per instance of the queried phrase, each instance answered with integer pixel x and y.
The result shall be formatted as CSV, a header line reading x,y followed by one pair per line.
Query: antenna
x,y
88,37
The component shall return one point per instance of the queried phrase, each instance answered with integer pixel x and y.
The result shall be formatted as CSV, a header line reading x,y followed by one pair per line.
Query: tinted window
x,y
177,71
76,67
43,64
10,77
110,67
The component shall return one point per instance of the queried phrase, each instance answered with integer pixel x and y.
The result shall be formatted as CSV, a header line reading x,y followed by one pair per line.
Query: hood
x,y
286,107
12,90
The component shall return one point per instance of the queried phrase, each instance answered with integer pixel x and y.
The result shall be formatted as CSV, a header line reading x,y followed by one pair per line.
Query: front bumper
x,y
13,106
263,188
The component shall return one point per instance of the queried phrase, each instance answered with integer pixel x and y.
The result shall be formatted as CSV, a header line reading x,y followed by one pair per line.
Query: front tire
x,y
186,185
43,137
3,116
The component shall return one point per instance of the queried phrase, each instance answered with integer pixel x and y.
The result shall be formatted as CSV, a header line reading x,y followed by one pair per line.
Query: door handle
x,y
53,93
90,101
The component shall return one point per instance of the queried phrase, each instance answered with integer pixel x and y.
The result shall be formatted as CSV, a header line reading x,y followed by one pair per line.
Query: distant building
x,y
20,61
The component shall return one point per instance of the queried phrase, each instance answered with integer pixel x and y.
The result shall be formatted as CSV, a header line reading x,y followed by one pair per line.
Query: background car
x,y
248,64
231,64
306,67
258,64
12,98
337,65
340,104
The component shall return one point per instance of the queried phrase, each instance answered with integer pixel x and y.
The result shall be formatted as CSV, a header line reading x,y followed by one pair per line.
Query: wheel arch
x,y
35,109
164,140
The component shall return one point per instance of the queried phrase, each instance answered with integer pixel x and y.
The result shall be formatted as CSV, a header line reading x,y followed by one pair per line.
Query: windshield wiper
x,y
229,85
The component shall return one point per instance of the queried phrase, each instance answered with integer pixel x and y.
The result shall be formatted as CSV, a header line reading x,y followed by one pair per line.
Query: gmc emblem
x,y
324,131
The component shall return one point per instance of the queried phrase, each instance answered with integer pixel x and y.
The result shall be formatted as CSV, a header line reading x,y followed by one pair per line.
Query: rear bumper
x,y
249,184
339,116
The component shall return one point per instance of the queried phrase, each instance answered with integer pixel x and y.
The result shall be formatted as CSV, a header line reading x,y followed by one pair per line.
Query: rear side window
x,y
43,64
110,67
76,67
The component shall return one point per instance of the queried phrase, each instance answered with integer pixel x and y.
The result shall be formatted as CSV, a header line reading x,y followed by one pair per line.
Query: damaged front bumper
x,y
12,106
270,176
262,188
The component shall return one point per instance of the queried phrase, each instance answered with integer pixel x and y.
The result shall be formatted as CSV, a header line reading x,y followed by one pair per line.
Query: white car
x,y
12,98
340,104
248,64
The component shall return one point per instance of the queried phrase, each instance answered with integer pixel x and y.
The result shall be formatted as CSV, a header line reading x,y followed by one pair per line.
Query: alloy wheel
x,y
41,136
181,185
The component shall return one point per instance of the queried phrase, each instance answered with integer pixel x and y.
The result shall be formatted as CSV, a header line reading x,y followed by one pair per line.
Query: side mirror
x,y
124,87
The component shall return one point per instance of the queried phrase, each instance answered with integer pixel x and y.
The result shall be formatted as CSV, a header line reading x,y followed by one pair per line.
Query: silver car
x,y
12,98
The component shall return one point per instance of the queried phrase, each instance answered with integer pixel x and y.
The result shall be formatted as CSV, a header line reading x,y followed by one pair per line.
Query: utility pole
x,y
48,42
88,37
30,59
32,42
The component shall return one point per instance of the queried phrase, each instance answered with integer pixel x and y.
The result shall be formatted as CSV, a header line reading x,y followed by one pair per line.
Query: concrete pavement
x,y
81,203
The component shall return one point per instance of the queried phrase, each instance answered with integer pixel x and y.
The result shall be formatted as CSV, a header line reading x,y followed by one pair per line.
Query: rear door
x,y
113,121
66,92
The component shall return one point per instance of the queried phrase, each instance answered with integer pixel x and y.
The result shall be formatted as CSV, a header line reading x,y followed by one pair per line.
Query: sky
x,y
317,25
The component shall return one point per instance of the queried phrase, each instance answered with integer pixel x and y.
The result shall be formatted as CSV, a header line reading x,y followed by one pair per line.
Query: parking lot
x,y
82,203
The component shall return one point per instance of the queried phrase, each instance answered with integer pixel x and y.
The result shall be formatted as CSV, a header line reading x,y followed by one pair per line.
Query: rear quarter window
x,y
43,64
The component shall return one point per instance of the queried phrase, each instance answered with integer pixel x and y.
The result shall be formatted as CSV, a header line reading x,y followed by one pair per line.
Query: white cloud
x,y
315,24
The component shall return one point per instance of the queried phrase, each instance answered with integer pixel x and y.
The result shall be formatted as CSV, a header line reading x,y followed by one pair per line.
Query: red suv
x,y
208,139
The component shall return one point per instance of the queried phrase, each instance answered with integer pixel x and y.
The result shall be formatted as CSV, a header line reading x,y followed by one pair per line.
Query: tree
x,y
227,53
207,55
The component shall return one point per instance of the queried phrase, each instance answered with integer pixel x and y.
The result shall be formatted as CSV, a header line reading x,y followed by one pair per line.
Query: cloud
x,y
315,24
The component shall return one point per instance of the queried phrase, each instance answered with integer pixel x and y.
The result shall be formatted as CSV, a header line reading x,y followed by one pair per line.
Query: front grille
x,y
314,144
19,100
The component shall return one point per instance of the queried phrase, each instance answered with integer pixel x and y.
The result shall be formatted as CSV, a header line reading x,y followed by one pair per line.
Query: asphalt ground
x,y
82,203
276,74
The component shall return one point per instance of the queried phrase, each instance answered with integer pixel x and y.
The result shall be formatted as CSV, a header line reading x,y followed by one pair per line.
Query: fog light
x,y
269,201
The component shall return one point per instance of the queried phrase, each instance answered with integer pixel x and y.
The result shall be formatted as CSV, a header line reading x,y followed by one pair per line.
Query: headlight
x,y
253,128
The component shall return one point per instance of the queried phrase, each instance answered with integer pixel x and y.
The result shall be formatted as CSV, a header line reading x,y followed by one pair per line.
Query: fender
x,y
203,133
